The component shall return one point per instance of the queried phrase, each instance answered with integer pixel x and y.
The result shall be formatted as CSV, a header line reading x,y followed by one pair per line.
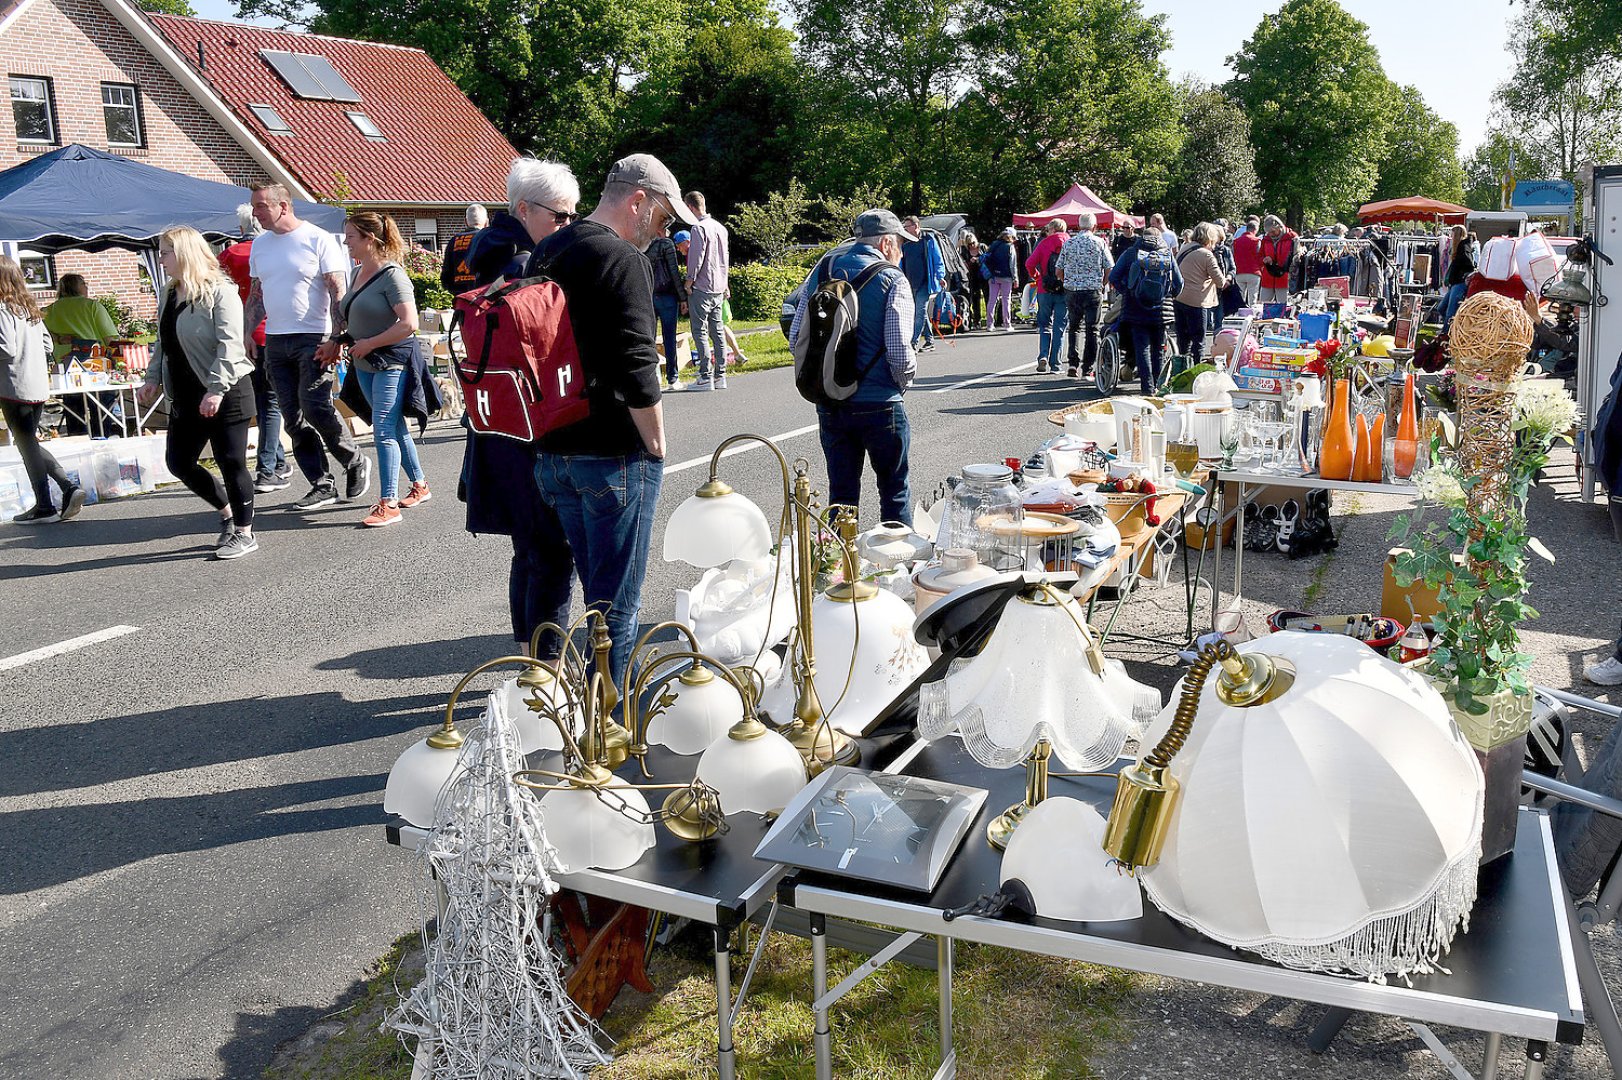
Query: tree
x,y
839,212
1566,110
1319,104
1215,171
1421,154
768,229
1485,168
1589,29
169,7
1067,90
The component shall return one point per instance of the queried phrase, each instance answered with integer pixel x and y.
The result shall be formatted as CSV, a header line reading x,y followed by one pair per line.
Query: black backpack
x,y
1051,281
825,352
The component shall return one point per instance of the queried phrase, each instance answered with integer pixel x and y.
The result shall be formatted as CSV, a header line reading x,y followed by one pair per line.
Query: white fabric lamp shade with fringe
x,y
1034,680
713,529
1057,852
536,732
588,831
705,706
1334,829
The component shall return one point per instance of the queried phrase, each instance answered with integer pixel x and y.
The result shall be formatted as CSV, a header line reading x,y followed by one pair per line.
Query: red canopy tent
x,y
1414,208
1078,199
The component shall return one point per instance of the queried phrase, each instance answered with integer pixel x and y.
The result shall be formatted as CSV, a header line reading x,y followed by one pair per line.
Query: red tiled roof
x,y
438,147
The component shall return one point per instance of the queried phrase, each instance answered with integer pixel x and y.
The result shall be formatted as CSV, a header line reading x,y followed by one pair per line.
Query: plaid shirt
x,y
1085,262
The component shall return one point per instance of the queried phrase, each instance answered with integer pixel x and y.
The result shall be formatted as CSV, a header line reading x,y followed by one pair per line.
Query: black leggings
x,y
22,419
189,432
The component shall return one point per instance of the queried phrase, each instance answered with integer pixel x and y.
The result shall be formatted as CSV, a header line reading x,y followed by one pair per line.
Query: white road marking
x,y
983,378
67,646
741,448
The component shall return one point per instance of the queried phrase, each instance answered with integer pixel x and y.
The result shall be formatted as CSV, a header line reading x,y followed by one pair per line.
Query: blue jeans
x,y
668,308
272,458
878,431
921,329
1192,323
606,506
1149,351
391,432
704,309
1050,317
305,390
1451,302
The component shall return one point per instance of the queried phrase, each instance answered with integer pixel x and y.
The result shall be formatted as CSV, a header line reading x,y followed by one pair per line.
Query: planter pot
x,y
1499,739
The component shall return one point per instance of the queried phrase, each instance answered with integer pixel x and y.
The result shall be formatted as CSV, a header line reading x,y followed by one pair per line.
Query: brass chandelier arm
x,y
637,721
566,634
746,437
449,738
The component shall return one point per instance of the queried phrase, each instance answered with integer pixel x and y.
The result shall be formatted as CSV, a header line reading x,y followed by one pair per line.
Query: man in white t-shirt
x,y
299,273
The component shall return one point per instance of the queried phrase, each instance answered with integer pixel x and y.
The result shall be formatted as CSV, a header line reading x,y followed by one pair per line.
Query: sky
x,y
1452,50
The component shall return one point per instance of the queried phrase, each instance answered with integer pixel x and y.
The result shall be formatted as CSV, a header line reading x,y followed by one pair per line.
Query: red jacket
x,y
1039,258
1247,254
1278,252
234,261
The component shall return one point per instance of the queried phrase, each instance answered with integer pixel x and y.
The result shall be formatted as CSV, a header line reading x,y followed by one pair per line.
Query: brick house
x,y
374,126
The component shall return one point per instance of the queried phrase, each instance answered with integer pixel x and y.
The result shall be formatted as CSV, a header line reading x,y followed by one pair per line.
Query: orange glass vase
x,y
1360,449
1405,450
1335,456
1371,450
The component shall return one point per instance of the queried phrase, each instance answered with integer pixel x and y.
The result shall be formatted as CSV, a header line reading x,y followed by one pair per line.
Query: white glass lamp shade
x,y
1337,828
535,732
709,530
1058,852
589,834
418,780
758,774
1031,681
869,642
700,714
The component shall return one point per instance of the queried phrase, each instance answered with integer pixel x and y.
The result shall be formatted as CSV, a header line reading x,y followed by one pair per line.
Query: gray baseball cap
x,y
880,223
649,173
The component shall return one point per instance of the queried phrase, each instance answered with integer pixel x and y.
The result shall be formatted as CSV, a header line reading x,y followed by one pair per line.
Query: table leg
x,y
1489,1056
726,1061
821,1037
1537,1054
1216,565
943,970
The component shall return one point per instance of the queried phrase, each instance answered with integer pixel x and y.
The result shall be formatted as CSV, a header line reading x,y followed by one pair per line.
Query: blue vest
x,y
876,384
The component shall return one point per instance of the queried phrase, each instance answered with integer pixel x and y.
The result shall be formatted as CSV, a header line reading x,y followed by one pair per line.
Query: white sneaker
x,y
1608,672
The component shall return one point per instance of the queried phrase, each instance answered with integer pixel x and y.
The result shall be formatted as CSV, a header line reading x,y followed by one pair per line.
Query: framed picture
x,y
39,271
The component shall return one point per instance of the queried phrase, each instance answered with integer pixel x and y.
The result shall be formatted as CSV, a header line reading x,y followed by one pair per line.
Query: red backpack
x,y
519,369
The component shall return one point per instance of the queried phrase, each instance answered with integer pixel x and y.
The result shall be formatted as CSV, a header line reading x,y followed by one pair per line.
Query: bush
x,y
429,292
758,289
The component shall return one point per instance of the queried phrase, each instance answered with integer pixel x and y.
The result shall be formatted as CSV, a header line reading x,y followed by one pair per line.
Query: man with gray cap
x,y
603,474
872,422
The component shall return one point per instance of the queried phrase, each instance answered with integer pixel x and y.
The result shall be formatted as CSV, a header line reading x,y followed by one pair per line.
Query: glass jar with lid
x,y
977,516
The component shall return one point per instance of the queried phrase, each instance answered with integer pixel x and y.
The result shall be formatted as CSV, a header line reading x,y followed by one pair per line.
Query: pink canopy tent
x,y
1078,199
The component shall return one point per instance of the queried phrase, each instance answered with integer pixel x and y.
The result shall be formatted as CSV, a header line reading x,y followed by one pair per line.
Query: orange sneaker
x,y
382,514
419,493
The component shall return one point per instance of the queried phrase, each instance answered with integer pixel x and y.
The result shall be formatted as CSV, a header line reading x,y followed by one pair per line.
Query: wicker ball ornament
x,y
1490,336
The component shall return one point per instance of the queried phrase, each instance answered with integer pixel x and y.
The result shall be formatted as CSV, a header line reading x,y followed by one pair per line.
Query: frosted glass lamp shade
x,y
709,530
700,714
535,732
1058,852
756,774
588,834
418,779
1337,828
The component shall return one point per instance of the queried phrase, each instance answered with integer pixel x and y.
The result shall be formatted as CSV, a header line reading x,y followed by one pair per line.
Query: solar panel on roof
x,y
338,88
310,76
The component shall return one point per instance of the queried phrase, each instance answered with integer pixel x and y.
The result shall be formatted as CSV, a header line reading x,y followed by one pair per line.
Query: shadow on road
x,y
455,656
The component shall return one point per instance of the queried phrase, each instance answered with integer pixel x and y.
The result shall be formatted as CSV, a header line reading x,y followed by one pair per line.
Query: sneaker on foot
x,y
284,471
239,545
672,385
1608,672
357,478
323,494
382,514
72,503
702,384
42,514
227,530
418,495
1072,371
266,482
1041,368
721,383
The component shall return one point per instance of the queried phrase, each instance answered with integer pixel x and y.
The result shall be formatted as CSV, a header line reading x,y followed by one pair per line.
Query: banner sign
x,y
1544,197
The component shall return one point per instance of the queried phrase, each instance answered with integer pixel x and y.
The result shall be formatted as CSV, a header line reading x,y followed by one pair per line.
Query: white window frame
x,y
285,129
49,102
365,125
24,257
134,106
425,233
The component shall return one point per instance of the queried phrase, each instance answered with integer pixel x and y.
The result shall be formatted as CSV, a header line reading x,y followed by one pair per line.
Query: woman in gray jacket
x,y
199,364
24,386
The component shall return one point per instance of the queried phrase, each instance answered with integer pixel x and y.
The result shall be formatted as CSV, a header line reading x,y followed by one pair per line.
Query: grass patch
x,y
765,351
348,1044
1017,1017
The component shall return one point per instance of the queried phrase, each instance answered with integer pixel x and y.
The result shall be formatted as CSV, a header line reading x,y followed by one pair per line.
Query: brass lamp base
x,y
691,817
1036,790
821,745
1002,827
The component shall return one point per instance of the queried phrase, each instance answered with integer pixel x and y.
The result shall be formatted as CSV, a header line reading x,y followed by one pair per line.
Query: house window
x,y
121,113
364,125
39,271
31,109
426,233
271,119
309,76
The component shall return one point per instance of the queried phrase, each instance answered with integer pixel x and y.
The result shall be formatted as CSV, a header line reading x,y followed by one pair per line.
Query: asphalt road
x,y
195,867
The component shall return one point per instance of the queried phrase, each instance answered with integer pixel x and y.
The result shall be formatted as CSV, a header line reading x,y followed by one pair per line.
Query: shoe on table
x,y
42,514
323,494
418,495
382,514
266,482
357,478
239,545
227,530
1608,672
72,503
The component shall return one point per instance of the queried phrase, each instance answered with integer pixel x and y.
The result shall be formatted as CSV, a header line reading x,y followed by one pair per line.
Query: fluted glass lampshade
x,y
705,708
1058,853
536,732
417,780
1032,681
709,530
587,833
758,773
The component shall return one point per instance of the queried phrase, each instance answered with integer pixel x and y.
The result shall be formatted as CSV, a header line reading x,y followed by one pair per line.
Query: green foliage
x,y
1421,153
768,229
1319,106
1567,108
758,289
130,325
839,213
1589,29
169,7
1214,174
1485,167
428,291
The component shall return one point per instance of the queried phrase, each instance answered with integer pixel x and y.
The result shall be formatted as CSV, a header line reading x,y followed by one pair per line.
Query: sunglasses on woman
x,y
559,217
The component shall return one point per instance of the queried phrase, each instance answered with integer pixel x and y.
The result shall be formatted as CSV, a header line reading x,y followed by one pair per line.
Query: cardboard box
x,y
1283,358
1416,601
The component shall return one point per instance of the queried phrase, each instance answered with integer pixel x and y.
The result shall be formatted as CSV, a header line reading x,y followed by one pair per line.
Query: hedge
x,y
429,292
758,289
